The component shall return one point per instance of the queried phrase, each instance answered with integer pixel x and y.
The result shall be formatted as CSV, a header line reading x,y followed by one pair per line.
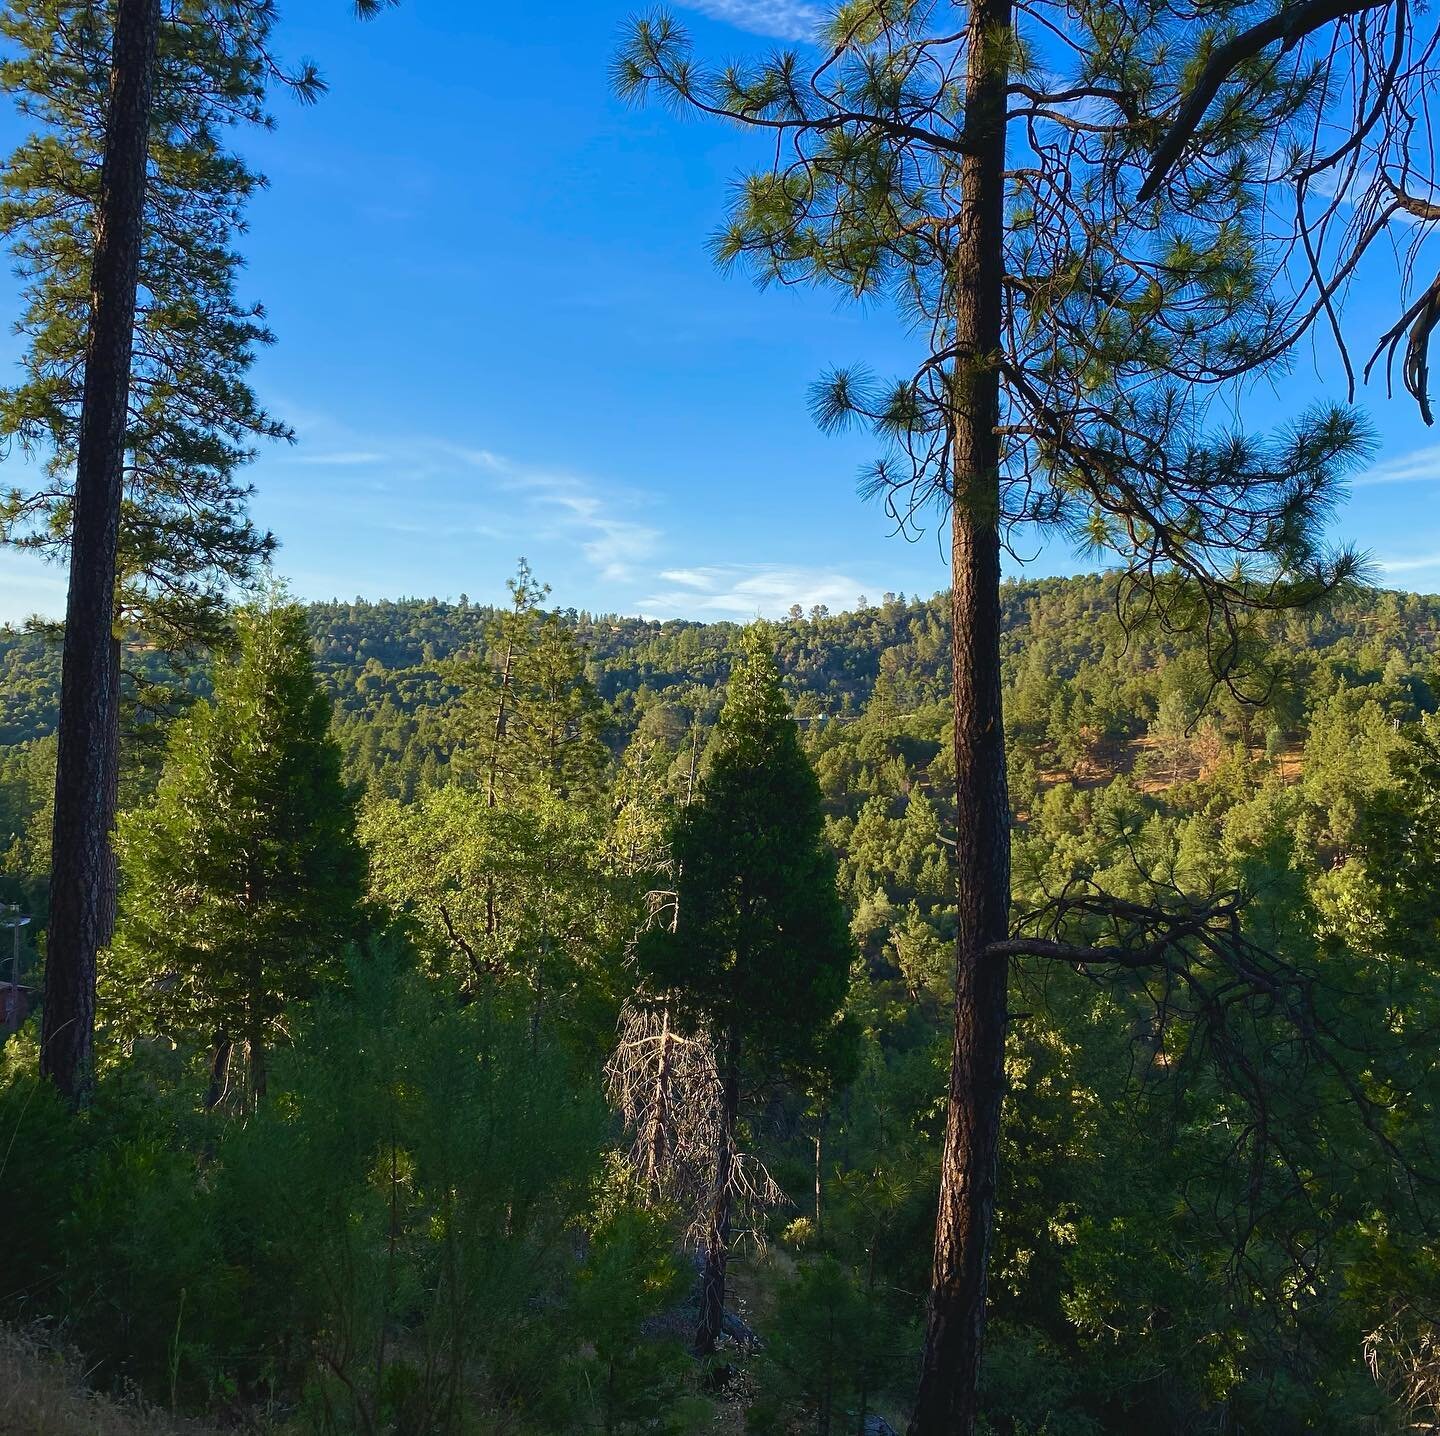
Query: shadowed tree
x,y
82,884
1078,210
760,955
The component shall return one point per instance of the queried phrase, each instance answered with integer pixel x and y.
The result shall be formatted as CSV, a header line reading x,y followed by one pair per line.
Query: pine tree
x,y
1068,203
86,775
243,879
761,954
190,417
528,721
122,209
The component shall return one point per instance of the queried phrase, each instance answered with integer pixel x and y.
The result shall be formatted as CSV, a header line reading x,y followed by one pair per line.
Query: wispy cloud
x,y
575,505
748,591
439,479
1409,565
343,459
1418,466
782,19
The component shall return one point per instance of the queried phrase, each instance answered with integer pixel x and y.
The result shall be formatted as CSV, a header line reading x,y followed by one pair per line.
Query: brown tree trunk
x,y
821,1122
219,1071
717,1239
498,736
82,881
255,1037
946,1403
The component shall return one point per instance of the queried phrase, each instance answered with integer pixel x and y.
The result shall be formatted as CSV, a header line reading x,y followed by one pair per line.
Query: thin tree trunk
x,y
498,736
659,1110
864,1402
255,1036
219,1071
947,1401
81,882
821,1122
259,1075
717,1240
491,920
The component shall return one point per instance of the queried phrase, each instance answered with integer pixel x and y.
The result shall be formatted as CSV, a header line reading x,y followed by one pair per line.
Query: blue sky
x,y
500,333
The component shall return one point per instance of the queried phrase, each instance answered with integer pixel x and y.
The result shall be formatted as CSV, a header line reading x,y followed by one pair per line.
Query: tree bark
x,y
947,1401
821,1122
82,882
219,1071
717,1240
255,1036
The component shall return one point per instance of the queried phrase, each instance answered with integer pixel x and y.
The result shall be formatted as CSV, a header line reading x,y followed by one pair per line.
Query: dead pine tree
x,y
1101,222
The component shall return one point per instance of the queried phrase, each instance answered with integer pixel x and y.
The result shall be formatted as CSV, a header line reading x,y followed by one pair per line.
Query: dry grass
x,y
43,1393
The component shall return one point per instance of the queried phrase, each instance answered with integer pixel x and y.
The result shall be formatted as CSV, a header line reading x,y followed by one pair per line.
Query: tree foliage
x,y
243,878
193,417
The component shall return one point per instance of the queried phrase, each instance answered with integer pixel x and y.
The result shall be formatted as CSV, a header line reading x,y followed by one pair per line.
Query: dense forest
x,y
1012,1013
1161,1263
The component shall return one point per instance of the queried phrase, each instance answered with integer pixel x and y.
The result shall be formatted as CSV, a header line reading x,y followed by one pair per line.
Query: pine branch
x,y
1290,24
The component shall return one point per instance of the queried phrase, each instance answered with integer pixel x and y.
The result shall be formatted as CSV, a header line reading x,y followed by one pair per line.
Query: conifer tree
x,y
1074,206
761,954
190,417
528,721
122,209
81,898
243,879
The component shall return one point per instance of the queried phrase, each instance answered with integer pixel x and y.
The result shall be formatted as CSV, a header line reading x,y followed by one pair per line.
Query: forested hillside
x,y
1009,1013
1077,684
1134,1281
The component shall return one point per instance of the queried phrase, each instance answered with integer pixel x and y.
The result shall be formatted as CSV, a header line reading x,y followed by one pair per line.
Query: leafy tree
x,y
243,879
519,897
760,955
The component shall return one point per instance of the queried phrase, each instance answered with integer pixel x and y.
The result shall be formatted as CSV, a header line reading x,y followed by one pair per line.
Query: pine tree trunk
x,y
110,889
82,875
220,1055
946,1403
255,1036
717,1240
259,1076
821,1122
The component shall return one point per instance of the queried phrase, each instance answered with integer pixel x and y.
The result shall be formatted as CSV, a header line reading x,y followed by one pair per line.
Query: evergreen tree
x,y
190,417
528,721
121,208
243,879
1068,203
760,955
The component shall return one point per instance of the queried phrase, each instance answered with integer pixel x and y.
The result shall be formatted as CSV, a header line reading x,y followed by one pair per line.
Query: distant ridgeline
x,y
1083,697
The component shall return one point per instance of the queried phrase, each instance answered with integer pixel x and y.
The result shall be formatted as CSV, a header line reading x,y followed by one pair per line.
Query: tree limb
x,y
1290,24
